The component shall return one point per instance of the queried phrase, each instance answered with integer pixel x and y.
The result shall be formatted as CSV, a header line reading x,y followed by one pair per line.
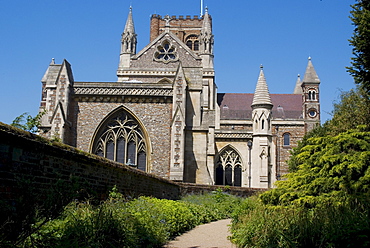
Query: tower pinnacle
x,y
261,95
310,75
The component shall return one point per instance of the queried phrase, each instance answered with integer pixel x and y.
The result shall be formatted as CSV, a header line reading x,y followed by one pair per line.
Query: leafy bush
x,y
258,225
217,205
141,222
83,225
323,203
330,169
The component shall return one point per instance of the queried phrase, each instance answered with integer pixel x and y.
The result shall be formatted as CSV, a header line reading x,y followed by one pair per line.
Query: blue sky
x,y
280,34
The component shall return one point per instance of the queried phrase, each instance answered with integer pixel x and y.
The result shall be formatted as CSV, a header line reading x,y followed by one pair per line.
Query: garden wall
x,y
38,168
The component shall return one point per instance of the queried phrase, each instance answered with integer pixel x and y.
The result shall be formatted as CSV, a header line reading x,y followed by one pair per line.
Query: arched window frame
x,y
312,95
192,41
286,139
121,123
228,160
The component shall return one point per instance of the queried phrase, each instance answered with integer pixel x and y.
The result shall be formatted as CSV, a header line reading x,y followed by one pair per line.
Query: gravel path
x,y
211,235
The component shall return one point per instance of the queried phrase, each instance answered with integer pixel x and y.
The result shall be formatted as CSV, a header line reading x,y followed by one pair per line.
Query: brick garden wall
x,y
31,159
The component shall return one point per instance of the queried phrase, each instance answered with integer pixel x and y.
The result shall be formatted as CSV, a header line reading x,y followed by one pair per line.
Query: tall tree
x,y
360,69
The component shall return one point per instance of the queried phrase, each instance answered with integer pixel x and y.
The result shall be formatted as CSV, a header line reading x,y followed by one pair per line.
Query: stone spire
x,y
310,76
261,95
298,86
129,36
206,36
129,27
128,42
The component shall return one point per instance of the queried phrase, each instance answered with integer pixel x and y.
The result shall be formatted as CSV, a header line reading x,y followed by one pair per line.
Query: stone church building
x,y
164,115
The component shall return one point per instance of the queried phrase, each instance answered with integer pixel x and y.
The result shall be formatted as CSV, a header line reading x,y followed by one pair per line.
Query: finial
x,y
309,57
52,61
206,9
130,9
299,75
167,18
261,67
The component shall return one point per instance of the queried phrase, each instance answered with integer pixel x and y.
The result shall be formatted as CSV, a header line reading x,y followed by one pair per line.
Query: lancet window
x,y
121,139
228,168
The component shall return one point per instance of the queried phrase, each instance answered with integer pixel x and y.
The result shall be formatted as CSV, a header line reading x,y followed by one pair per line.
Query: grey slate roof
x,y
237,106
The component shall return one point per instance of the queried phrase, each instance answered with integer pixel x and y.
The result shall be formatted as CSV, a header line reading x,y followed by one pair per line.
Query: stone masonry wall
x,y
155,117
25,157
284,152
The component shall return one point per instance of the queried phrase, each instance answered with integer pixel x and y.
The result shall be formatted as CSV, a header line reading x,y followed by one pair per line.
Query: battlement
x,y
180,17
182,26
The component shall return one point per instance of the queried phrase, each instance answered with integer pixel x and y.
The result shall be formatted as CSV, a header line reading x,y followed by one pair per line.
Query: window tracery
x,y
166,52
229,168
121,139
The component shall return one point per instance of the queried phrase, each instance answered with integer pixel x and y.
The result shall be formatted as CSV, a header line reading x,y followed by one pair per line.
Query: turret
x,y
262,172
128,42
206,42
261,107
311,99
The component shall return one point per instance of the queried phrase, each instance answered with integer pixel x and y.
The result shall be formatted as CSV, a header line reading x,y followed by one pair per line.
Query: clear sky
x,y
280,34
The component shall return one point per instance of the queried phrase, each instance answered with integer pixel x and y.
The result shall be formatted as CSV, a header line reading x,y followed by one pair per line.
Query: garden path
x,y
211,235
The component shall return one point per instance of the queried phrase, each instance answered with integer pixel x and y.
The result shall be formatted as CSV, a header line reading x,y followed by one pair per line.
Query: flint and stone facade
x,y
163,115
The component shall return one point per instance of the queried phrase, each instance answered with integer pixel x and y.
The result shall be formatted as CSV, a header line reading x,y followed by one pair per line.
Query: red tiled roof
x,y
237,106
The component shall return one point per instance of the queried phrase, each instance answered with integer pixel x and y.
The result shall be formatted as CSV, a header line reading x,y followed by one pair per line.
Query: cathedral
x,y
164,115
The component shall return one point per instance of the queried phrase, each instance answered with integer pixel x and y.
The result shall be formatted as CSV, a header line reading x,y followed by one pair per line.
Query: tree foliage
x,y
360,69
351,111
330,168
27,122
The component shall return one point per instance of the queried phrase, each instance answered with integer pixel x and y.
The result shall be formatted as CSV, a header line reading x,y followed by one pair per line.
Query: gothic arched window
x,y
120,138
192,42
228,168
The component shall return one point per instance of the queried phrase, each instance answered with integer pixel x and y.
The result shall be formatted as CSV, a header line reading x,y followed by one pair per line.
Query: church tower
x,y
128,46
311,101
262,135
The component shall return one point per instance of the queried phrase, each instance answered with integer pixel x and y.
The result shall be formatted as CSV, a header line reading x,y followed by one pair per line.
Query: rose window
x,y
165,52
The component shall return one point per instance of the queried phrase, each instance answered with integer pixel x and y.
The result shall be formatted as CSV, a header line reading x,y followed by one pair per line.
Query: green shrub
x,y
83,225
258,225
217,205
141,222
